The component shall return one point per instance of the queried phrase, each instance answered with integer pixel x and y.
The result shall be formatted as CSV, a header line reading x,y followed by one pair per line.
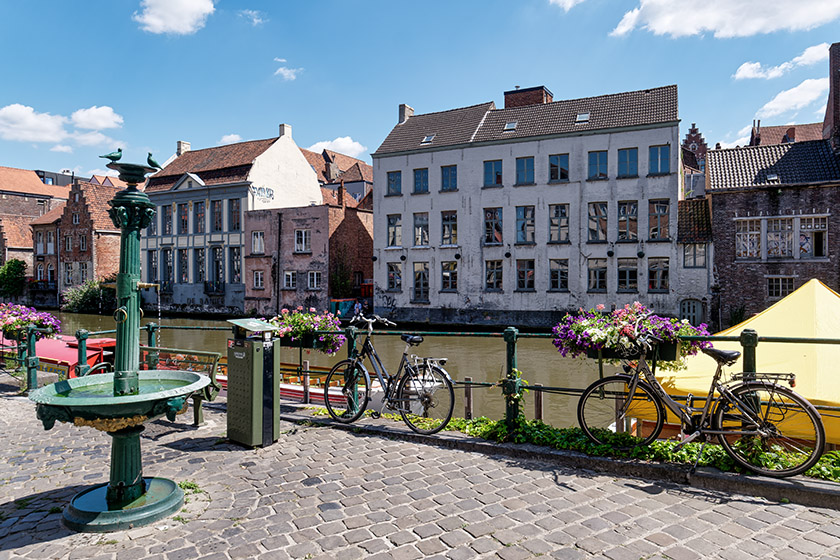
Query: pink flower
x,y
600,307
312,310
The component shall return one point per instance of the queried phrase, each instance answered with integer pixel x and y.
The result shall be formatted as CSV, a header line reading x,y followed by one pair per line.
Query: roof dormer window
x,y
510,126
428,139
582,118
772,178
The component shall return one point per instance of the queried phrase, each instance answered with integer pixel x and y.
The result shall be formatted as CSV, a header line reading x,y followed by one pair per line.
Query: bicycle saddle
x,y
726,357
413,339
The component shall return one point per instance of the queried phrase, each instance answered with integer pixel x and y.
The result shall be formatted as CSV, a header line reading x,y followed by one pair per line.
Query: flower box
x,y
298,329
667,352
305,341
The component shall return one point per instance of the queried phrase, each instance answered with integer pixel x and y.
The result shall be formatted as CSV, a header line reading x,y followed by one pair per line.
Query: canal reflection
x,y
482,358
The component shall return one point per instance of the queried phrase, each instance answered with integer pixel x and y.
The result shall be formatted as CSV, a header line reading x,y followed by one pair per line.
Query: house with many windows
x,y
519,214
43,290
194,248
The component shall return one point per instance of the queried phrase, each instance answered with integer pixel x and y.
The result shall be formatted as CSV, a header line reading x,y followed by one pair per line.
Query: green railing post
x,y
512,386
82,368
749,340
152,357
22,352
32,359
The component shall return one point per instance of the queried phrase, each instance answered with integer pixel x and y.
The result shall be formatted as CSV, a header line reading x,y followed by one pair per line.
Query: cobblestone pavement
x,y
326,493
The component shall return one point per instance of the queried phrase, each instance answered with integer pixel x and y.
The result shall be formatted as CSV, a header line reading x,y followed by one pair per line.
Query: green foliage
x,y
90,297
12,278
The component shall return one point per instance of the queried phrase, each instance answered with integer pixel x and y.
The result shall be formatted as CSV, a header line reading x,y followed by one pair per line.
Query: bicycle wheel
x,y
346,391
775,432
425,399
608,416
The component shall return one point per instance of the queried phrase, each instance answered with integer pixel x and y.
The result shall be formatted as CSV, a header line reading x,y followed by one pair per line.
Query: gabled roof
x,y
220,164
16,230
320,163
782,134
694,221
50,217
109,181
27,182
357,173
791,164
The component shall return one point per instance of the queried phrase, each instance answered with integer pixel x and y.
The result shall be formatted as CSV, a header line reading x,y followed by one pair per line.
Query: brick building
x,y
43,290
334,169
308,255
696,144
763,136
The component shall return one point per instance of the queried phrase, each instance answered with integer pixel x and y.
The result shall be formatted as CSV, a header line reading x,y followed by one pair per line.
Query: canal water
x,y
480,357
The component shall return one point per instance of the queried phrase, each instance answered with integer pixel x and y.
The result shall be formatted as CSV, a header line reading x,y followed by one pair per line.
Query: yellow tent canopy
x,y
812,311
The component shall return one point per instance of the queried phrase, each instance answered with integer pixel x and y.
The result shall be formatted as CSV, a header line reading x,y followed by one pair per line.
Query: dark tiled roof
x,y
449,128
220,164
50,217
801,133
694,221
16,230
689,159
793,163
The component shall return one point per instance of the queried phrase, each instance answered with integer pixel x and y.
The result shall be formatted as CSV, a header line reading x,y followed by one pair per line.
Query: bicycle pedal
x,y
375,415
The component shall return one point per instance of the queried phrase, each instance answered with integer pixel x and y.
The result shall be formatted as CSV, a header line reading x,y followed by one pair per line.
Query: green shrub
x,y
12,278
90,297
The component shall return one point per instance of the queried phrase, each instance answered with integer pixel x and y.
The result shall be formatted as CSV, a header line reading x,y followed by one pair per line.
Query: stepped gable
x,y
453,127
97,197
694,222
27,182
220,164
793,163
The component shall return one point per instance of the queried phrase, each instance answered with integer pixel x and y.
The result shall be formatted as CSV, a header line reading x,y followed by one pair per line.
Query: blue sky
x,y
82,78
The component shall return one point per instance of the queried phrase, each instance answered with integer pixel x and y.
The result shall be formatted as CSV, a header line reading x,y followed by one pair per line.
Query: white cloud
x,y
288,74
24,124
178,17
62,148
795,98
740,141
809,57
230,139
109,172
343,145
727,18
566,4
254,17
92,138
96,118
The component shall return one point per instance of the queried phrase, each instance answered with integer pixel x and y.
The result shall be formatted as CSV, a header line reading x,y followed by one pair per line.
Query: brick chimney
x,y
340,194
405,113
831,124
182,148
528,96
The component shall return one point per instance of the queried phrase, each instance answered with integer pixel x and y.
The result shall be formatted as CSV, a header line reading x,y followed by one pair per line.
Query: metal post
x,y
350,335
749,340
538,402
152,356
32,360
305,382
468,399
82,367
512,386
351,353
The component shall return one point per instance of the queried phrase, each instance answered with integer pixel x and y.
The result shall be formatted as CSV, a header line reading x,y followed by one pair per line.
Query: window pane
x,y
421,229
658,215
449,276
597,221
394,183
598,165
558,223
421,180
449,227
558,167
492,226
394,230
558,270
449,178
628,221
628,162
524,224
524,171
492,173
525,274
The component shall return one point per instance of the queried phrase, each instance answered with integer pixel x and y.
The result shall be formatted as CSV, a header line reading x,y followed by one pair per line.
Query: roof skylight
x,y
428,139
509,126
772,178
582,118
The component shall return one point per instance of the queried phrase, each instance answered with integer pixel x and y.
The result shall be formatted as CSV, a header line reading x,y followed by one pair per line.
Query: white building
x,y
517,215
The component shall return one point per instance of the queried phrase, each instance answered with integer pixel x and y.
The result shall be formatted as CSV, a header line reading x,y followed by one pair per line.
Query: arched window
x,y
39,275
692,309
50,273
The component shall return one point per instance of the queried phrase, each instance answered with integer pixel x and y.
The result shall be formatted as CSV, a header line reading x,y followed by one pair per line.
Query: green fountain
x,y
119,403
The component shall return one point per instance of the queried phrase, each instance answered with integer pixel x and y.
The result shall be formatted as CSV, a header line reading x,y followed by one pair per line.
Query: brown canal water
x,y
479,357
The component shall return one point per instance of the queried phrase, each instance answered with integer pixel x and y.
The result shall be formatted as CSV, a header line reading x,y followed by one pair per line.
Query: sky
x,y
80,79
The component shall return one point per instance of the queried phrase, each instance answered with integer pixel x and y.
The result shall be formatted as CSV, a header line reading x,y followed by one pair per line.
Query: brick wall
x,y
27,205
351,243
264,300
529,96
744,283
107,251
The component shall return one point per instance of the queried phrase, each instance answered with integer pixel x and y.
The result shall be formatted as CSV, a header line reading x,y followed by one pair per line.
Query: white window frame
x,y
303,240
259,283
258,242
290,280
314,280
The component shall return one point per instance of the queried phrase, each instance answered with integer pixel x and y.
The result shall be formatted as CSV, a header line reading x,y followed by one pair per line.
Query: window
x,y
152,269
492,226
694,255
68,243
39,273
314,280
290,280
234,214
218,264
168,268
198,217
421,229
747,239
598,165
216,215
83,272
39,243
780,238
83,243
303,241
166,216
394,183
50,273
779,287
525,275
184,266
75,218
558,168
68,272
525,224
597,221
628,162
691,310
525,171
199,265
658,274
812,237
427,139
510,126
421,282
394,277
449,276
658,216
449,178
48,180
493,173
597,275
660,160
258,280
493,276
558,275
50,243
449,227
628,221
582,118
421,181
394,230
258,242
628,275
558,223
183,219
235,265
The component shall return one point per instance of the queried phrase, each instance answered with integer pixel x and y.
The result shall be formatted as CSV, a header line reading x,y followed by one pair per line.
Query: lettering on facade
x,y
262,194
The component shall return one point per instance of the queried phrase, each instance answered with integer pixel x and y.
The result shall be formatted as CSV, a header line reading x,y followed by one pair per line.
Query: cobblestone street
x,y
327,493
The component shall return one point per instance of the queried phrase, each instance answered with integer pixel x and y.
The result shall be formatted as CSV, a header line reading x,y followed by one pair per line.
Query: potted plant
x,y
612,336
15,318
299,328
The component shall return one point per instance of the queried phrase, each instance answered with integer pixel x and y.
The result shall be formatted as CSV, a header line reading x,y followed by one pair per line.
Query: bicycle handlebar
x,y
359,318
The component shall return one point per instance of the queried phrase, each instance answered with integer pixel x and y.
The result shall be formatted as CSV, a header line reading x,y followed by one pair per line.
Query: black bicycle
x,y
421,390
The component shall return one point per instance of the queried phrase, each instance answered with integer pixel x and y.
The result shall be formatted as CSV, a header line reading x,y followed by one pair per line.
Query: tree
x,y
12,278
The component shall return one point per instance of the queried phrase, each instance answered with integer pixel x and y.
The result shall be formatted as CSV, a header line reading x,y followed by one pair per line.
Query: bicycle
x,y
421,390
762,425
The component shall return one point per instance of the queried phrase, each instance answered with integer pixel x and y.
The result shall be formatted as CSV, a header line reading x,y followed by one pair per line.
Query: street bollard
x,y
82,366
538,402
31,360
305,381
512,385
468,399
152,357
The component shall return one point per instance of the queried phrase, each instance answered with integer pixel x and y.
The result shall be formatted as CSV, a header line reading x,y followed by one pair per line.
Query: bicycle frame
x,y
386,380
